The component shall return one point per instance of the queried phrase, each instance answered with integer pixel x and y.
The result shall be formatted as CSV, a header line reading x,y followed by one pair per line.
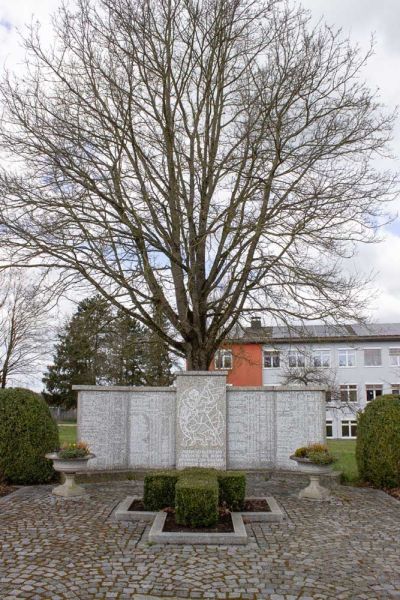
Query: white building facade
x,y
355,368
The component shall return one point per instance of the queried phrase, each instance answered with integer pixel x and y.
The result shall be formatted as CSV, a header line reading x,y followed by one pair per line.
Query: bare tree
x,y
206,158
309,374
310,370
24,327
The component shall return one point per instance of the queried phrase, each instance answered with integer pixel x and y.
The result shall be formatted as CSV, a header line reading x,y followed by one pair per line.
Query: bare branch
x,y
207,159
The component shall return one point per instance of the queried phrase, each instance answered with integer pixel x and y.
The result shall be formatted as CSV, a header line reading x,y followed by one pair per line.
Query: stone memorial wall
x,y
199,422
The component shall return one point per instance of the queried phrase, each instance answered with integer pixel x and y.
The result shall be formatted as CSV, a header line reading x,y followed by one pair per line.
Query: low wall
x,y
201,421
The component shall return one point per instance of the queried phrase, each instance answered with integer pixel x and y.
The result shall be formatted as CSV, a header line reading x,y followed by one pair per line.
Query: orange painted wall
x,y
247,364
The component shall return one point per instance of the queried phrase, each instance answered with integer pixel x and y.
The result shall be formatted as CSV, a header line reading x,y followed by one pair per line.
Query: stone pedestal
x,y
201,419
315,491
69,489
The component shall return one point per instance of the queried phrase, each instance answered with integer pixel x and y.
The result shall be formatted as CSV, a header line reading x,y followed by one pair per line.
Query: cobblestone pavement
x,y
72,549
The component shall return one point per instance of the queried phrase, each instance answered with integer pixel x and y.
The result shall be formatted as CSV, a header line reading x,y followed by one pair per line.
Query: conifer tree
x,y
101,346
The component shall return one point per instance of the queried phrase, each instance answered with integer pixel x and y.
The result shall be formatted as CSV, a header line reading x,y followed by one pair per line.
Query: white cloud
x,y
383,261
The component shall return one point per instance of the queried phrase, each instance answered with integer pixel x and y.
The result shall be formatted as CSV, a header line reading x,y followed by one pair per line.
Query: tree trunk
x,y
197,357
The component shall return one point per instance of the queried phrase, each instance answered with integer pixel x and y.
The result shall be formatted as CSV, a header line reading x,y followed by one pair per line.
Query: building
x,y
356,363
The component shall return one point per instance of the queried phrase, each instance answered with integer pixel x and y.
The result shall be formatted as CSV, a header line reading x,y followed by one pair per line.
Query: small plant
x,y
316,453
74,450
301,452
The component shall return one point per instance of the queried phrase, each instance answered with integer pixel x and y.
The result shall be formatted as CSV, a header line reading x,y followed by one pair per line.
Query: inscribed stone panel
x,y
152,429
250,429
103,424
300,421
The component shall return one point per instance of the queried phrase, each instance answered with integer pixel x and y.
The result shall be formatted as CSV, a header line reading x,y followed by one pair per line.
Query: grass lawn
x,y
67,433
345,452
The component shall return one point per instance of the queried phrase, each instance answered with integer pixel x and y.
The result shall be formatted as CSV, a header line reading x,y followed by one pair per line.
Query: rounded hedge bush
x,y
27,432
378,442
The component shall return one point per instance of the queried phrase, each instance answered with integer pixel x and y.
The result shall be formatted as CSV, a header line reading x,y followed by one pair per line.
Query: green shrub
x,y
378,442
159,490
27,432
301,452
74,450
317,453
232,489
196,500
198,472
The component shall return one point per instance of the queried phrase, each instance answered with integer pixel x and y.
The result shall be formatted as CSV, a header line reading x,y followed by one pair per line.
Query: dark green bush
x,y
27,432
198,472
232,489
159,490
196,500
378,442
195,493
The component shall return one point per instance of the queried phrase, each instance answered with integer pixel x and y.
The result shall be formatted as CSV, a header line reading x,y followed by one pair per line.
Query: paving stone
x,y
56,549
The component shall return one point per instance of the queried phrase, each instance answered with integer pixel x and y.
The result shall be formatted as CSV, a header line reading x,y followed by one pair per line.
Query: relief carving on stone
x,y
200,419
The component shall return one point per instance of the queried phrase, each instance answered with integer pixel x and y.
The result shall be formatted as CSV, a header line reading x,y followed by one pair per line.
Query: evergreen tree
x,y
98,346
126,352
79,358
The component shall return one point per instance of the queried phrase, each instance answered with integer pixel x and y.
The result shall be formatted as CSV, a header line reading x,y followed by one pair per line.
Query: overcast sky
x,y
358,18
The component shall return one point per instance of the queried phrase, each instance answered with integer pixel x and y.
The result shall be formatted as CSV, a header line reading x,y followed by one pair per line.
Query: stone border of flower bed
x,y
158,536
274,515
122,512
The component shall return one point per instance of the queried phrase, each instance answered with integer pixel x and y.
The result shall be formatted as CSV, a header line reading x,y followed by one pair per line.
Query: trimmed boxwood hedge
x,y
378,442
159,490
232,489
196,501
192,493
27,432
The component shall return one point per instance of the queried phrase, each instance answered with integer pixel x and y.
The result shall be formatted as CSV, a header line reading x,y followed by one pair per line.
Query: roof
x,y
317,333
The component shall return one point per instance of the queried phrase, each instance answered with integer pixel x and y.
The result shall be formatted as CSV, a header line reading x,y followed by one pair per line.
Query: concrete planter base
x,y
314,490
69,467
158,536
69,489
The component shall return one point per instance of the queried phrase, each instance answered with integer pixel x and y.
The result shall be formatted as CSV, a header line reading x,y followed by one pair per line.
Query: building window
x,y
223,359
329,429
272,359
322,358
373,390
347,358
296,358
348,393
396,389
372,357
349,429
394,357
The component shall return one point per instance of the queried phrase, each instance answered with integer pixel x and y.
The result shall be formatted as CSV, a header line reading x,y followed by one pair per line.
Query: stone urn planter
x,y
314,490
69,467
